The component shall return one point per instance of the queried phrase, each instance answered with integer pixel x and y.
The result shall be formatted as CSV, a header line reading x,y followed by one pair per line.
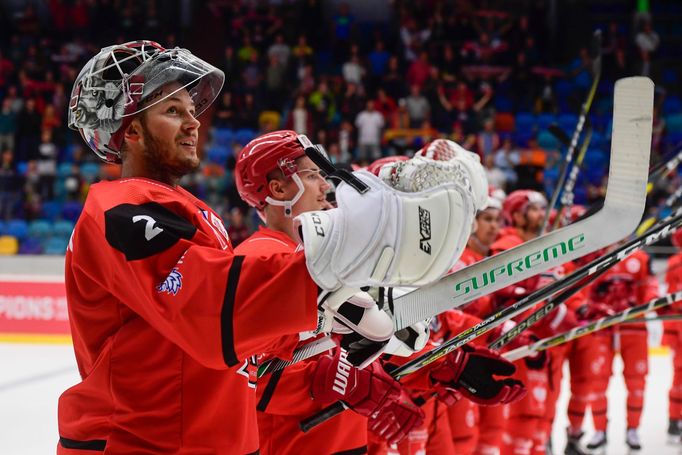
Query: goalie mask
x,y
123,80
267,153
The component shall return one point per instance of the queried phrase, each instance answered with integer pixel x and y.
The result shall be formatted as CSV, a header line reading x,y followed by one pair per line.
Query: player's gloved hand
x,y
472,370
365,391
594,310
395,421
559,320
386,237
349,308
534,362
447,150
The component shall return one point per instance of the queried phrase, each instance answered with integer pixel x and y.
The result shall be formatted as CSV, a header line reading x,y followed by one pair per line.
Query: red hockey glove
x,y
364,391
394,421
594,310
470,370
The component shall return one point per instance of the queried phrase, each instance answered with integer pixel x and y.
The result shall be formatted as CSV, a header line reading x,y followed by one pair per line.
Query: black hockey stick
x,y
584,110
593,326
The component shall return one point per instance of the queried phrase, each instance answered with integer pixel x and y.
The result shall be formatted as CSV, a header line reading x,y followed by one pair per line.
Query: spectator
x,y
419,70
237,230
487,140
506,159
10,185
385,104
346,142
378,61
393,80
300,119
247,115
252,74
46,166
418,107
412,38
647,42
247,51
7,125
351,103
51,120
369,123
302,52
225,115
275,83
352,70
323,105
74,184
343,22
28,131
280,50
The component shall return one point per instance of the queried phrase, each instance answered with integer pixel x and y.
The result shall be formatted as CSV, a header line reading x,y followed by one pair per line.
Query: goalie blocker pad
x,y
386,237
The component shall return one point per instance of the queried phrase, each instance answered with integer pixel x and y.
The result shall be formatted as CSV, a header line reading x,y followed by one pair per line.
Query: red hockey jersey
x,y
284,397
165,319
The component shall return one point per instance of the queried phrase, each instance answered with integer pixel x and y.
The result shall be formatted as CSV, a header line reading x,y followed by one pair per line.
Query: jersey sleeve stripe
x,y
269,391
227,313
95,445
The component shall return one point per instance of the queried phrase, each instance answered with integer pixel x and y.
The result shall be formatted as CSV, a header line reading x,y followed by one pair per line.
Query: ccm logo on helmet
x,y
317,221
424,230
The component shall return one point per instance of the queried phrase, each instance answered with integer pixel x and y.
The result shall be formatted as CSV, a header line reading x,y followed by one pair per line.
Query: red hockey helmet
x,y
376,166
266,153
519,200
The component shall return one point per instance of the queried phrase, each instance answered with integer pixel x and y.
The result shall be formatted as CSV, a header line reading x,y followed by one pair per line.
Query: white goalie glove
x,y
444,150
386,237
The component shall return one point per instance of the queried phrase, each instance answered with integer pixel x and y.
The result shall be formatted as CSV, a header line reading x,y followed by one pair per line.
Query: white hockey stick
x,y
602,323
623,208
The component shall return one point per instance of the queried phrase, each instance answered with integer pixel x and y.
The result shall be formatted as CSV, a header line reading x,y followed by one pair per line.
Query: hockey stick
x,y
624,202
593,326
584,110
315,347
567,195
507,337
662,318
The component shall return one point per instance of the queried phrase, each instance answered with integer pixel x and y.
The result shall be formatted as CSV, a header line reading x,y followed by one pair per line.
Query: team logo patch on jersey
x,y
172,284
632,265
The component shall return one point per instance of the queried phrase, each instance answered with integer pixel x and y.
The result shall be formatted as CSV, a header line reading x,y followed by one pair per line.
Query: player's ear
x,y
276,187
133,132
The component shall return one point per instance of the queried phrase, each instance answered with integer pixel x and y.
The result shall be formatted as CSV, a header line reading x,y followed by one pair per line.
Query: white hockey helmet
x,y
117,83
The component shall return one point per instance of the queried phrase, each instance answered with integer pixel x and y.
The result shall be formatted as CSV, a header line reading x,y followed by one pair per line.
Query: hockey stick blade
x,y
602,323
620,215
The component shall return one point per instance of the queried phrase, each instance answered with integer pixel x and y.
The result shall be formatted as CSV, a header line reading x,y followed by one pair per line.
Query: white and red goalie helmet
x,y
118,83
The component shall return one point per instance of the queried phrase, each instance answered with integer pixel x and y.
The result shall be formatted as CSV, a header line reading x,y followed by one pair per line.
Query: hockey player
x,y
672,337
275,176
628,283
165,318
526,431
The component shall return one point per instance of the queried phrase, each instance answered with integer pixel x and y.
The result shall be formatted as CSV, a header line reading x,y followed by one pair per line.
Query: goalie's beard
x,y
160,162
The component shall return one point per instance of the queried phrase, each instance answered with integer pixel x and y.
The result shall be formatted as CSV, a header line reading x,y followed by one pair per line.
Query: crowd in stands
x,y
482,76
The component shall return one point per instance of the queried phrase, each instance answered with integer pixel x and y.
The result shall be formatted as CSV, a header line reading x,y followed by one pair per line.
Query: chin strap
x,y
288,205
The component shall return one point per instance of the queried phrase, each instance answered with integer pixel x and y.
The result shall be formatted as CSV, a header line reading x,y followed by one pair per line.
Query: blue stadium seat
x,y
62,228
2,227
17,228
51,210
244,135
223,137
547,141
22,167
39,229
90,171
673,123
503,104
71,210
598,140
563,88
599,122
672,105
567,122
31,245
63,170
544,120
524,122
56,246
218,154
